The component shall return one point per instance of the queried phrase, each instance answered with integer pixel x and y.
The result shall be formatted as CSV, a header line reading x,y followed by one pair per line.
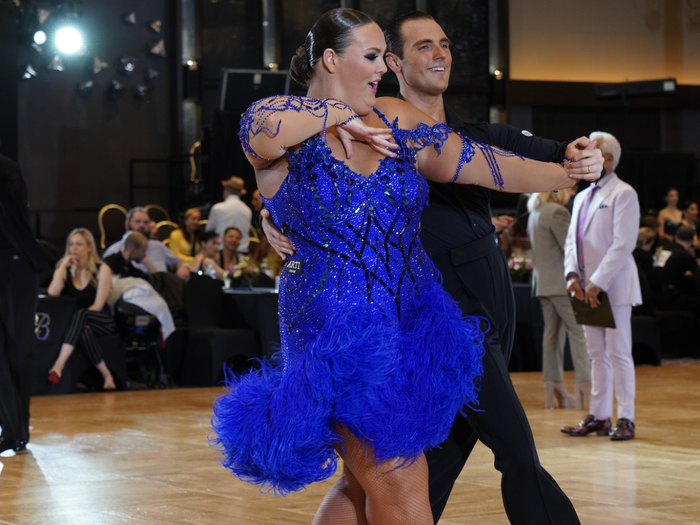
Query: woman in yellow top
x,y
184,242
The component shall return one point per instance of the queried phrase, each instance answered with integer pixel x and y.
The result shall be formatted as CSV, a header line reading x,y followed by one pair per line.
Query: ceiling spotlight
x,y
40,38
68,40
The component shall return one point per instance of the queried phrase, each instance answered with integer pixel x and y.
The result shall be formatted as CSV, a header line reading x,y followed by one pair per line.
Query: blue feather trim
x,y
397,388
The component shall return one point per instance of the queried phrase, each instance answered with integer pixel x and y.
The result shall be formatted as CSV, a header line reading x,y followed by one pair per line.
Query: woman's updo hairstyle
x,y
332,31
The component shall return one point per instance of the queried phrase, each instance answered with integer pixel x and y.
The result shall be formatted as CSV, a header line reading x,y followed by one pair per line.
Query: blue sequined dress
x,y
369,337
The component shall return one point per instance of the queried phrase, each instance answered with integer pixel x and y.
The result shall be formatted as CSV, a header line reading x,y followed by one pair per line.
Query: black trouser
x,y
19,287
85,326
477,277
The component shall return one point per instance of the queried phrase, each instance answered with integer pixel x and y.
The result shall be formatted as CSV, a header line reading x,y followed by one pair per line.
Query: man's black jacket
x,y
15,230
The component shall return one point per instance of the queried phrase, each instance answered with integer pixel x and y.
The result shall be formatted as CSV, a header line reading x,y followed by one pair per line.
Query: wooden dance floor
x,y
143,458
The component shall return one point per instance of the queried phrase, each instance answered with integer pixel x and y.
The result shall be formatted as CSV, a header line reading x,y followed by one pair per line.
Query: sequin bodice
x,y
370,339
357,237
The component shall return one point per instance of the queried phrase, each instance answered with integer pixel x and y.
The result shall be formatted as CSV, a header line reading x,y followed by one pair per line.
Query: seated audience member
x,y
257,204
690,219
679,289
644,257
160,257
670,217
133,286
649,220
208,260
690,215
154,230
514,239
229,254
232,212
133,250
80,274
185,242
263,252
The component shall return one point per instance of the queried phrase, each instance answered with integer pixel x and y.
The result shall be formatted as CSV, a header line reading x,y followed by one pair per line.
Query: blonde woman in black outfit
x,y
82,275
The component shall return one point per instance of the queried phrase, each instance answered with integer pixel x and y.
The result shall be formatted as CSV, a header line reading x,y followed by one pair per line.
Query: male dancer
x,y
475,273
21,261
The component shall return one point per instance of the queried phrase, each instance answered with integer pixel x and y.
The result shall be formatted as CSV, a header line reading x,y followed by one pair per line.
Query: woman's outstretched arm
x,y
464,161
273,125
444,156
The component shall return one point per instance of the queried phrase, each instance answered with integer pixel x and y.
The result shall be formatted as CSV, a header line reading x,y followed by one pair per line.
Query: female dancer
x,y
376,360
81,274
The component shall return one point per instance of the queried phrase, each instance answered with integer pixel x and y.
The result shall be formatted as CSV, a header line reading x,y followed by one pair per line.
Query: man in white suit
x,y
598,256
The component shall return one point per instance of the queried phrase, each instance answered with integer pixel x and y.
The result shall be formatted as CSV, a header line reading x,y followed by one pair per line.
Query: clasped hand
x,y
586,159
590,296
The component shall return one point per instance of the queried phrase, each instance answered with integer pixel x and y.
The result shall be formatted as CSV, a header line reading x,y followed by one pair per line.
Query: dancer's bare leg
x,y
344,504
393,496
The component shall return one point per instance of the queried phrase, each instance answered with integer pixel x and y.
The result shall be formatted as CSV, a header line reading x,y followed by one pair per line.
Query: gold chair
x,y
157,213
165,228
253,240
111,221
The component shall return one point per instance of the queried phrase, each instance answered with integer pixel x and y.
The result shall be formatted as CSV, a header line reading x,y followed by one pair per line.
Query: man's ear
x,y
330,60
393,62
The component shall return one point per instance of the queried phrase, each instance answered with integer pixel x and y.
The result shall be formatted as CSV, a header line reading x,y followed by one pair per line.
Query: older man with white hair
x,y
598,256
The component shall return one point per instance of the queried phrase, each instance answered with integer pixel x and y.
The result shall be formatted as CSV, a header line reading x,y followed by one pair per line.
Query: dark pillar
x,y
8,80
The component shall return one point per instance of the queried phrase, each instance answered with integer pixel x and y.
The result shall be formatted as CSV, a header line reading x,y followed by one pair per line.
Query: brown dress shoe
x,y
589,424
624,430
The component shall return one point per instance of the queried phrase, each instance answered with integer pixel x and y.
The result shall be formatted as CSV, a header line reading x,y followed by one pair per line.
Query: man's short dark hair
x,y
232,228
685,234
392,33
135,240
207,236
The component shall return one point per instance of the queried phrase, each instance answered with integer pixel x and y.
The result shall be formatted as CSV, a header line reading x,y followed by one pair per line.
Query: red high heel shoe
x,y
54,379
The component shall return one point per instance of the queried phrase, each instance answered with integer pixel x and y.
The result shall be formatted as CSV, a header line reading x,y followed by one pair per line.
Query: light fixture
x,y
98,65
68,40
40,38
28,73
158,48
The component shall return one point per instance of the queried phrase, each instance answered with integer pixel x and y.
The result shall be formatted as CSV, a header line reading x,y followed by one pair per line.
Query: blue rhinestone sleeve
x,y
254,120
490,153
420,137
426,135
436,135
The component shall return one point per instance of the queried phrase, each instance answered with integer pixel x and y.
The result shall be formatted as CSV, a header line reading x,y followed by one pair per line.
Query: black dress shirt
x,y
458,214
121,268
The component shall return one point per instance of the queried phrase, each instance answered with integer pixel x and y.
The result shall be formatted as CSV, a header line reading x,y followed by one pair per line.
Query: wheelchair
x,y
141,336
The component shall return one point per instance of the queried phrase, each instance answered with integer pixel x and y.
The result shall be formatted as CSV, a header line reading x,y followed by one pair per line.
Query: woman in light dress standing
x,y
547,226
